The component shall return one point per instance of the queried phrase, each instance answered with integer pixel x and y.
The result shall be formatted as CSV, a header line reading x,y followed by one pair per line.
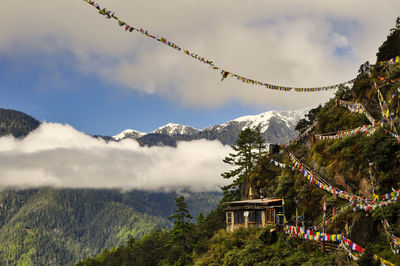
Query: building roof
x,y
259,202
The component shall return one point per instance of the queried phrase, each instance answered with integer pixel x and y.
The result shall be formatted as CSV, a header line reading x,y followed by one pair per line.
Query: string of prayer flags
x,y
390,61
381,102
386,196
301,232
356,108
373,206
224,73
353,256
352,245
385,109
394,240
308,130
353,249
278,164
394,60
367,129
383,105
349,252
358,202
393,135
313,178
361,203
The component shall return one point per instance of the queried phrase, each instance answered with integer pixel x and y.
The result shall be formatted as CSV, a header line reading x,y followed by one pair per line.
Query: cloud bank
x,y
293,43
59,156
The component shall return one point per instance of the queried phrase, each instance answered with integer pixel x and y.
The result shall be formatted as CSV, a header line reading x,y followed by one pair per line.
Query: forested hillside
x,y
16,123
61,226
340,181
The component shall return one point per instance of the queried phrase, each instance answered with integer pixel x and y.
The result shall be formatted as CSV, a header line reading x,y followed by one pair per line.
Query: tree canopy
x,y
248,149
391,46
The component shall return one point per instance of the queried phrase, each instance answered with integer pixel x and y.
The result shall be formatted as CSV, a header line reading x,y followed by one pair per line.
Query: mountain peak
x,y
276,127
129,133
172,129
288,118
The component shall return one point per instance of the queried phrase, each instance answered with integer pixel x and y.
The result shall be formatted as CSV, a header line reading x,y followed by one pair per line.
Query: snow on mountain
x,y
289,117
129,133
172,129
276,127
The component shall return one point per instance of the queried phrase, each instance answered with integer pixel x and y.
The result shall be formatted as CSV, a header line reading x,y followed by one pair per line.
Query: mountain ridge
x,y
276,127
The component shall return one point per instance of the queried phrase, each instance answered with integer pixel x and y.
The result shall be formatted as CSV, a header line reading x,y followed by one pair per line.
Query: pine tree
x,y
304,123
259,141
248,149
181,237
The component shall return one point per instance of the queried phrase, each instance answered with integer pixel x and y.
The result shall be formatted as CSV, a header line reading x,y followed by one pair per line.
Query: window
x,y
270,216
229,218
273,216
255,217
239,217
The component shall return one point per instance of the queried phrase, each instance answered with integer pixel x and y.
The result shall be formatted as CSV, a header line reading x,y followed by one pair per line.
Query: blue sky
x,y
90,74
93,106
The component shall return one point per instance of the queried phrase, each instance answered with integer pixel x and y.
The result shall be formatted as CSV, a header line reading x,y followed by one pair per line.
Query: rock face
x,y
276,127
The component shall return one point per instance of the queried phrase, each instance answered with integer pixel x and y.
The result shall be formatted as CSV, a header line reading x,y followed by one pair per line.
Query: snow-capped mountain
x,y
264,120
129,133
276,127
172,129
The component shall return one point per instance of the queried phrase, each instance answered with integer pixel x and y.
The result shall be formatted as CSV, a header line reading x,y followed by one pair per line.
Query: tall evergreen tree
x,y
304,123
181,239
259,141
249,147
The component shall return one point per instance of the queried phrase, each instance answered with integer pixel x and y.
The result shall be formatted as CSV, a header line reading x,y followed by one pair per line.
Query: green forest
x,y
16,123
343,147
50,226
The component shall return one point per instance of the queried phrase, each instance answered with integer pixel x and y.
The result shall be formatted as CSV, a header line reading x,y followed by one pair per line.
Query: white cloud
x,y
282,42
59,156
340,40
